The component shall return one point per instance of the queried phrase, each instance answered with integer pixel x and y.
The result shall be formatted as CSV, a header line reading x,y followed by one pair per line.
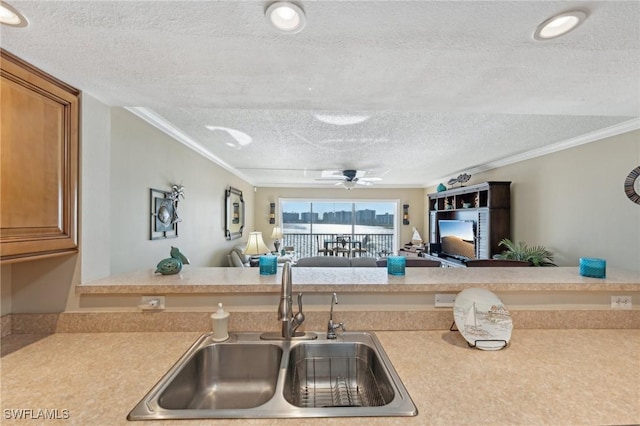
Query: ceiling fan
x,y
348,178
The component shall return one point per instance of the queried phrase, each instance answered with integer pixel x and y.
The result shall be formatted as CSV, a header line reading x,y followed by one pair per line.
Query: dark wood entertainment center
x,y
488,204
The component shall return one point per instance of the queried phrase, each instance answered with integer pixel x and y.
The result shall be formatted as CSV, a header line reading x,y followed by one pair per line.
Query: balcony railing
x,y
373,245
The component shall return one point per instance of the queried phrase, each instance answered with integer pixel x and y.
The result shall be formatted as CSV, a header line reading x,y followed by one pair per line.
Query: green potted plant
x,y
537,255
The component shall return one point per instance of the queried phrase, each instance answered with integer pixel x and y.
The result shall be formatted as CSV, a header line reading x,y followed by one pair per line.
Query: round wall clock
x,y
632,185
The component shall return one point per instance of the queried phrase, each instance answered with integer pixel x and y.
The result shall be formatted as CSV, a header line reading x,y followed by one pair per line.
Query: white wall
x,y
94,223
573,201
143,157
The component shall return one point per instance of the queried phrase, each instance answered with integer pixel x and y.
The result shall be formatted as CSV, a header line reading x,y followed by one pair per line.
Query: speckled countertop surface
x,y
248,280
545,377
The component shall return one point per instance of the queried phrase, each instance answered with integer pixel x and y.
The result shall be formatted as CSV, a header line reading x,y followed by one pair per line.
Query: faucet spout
x,y
285,308
289,321
331,326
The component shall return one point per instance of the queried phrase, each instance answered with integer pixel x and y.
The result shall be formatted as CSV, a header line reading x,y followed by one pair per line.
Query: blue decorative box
x,y
268,265
591,267
396,265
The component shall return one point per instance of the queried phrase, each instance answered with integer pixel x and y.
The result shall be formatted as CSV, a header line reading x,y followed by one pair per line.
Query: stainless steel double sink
x,y
247,377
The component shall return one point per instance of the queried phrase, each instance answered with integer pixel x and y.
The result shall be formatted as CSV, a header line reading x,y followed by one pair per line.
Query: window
x,y
340,227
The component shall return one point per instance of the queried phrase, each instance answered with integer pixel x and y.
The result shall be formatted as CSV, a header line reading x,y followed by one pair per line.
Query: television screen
x,y
457,238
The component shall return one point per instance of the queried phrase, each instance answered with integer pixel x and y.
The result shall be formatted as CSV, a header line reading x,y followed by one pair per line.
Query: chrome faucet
x,y
290,322
331,327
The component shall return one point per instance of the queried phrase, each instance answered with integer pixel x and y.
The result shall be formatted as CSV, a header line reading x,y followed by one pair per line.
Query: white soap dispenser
x,y
220,320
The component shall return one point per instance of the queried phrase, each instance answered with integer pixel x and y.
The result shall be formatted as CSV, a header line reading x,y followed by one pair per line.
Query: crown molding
x,y
607,132
169,129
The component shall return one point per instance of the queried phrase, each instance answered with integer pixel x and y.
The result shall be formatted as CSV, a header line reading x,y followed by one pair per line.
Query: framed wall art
x,y
164,215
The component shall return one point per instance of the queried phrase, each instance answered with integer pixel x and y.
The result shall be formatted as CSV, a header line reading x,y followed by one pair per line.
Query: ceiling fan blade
x,y
331,179
363,182
371,179
331,174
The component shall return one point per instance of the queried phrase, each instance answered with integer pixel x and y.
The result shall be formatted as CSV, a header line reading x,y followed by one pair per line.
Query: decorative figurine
x,y
460,179
177,192
447,204
172,265
441,187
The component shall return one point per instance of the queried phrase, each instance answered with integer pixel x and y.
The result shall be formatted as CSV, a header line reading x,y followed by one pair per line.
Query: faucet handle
x,y
300,302
332,327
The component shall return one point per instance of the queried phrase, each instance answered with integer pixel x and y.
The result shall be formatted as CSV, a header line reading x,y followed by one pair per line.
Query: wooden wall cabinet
x,y
39,163
488,204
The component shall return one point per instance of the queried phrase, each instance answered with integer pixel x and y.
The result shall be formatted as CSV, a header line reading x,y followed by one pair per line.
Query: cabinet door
x,y
39,163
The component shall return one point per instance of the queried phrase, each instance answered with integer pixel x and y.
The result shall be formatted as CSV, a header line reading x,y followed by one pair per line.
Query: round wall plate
x,y
632,185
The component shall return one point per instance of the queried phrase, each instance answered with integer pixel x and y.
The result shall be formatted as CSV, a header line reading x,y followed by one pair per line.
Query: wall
x,y
573,201
95,225
143,157
414,197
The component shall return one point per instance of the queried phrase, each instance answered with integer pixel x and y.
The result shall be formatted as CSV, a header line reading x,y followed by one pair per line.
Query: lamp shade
x,y
277,233
256,245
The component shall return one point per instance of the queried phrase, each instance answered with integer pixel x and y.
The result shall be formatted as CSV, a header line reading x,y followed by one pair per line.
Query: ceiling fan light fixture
x,y
348,184
286,17
11,17
559,25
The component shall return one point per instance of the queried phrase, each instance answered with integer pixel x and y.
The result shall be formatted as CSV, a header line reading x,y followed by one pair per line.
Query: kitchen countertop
x,y
547,377
248,280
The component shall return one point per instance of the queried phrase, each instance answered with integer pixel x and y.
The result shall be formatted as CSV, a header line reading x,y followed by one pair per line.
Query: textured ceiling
x,y
448,86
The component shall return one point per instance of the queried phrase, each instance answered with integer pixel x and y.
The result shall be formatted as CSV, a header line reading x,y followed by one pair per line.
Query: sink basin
x,y
224,377
336,375
246,377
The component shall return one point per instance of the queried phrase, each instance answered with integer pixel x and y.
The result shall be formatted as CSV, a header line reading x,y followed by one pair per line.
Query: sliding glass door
x,y
340,227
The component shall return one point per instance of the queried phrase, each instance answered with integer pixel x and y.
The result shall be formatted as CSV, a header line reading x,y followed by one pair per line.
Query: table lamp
x,y
255,246
276,235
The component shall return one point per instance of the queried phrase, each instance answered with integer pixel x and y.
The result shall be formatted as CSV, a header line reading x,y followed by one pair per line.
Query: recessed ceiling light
x,y
10,16
286,17
341,120
559,25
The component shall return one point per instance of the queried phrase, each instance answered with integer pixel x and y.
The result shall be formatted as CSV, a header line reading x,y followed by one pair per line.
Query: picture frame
x,y
234,213
163,223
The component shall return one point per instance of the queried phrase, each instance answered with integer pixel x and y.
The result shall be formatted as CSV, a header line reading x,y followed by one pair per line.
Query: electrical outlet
x,y
445,300
152,303
621,302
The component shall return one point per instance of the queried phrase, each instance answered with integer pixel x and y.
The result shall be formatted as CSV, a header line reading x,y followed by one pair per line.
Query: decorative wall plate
x,y
482,319
632,185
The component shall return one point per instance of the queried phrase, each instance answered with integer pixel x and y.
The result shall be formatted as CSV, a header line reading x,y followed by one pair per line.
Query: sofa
x,y
237,258
336,262
414,262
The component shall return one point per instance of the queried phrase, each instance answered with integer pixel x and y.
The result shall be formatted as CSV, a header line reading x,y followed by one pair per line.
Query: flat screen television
x,y
457,238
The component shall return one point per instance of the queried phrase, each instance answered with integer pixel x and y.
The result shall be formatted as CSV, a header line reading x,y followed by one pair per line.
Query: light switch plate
x,y
445,300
